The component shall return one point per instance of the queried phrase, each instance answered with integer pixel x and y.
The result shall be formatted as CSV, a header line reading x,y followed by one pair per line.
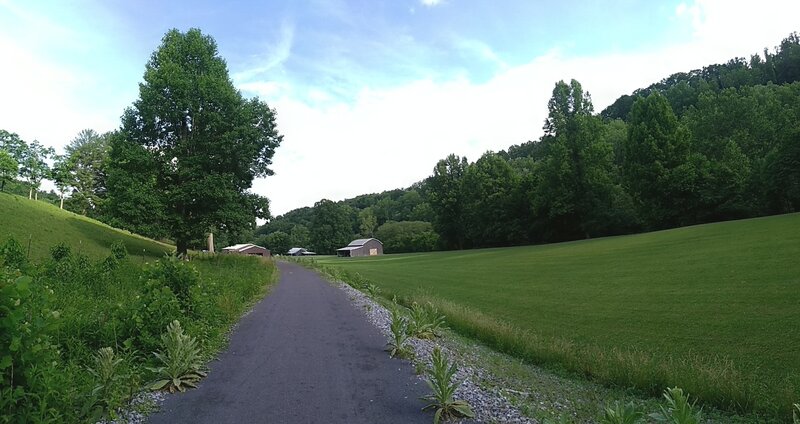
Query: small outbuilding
x,y
300,251
361,247
246,249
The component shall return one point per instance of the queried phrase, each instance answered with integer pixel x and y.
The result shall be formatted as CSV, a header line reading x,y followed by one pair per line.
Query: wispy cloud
x,y
431,3
275,55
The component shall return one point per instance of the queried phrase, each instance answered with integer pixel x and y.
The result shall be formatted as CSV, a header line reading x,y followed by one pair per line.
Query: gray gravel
x,y
489,405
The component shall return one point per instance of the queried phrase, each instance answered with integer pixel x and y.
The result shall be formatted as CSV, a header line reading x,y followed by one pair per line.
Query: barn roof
x,y
296,249
361,242
350,248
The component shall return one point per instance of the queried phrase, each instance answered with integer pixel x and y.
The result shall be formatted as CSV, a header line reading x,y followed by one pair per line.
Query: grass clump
x,y
443,387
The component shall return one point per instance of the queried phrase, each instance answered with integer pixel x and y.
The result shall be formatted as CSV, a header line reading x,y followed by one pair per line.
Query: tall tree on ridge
x,y
33,167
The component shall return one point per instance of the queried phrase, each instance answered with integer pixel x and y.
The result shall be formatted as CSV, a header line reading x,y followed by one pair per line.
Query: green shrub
x,y
621,413
678,409
118,250
440,381
180,276
27,354
180,361
13,255
155,309
60,252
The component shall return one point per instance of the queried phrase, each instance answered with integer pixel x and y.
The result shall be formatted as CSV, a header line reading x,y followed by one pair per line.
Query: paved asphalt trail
x,y
303,355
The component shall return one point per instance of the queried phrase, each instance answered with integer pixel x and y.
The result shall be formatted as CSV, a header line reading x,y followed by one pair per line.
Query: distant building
x,y
361,247
299,251
246,249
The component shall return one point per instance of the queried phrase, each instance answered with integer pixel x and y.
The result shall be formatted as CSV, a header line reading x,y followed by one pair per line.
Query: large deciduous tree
x,y
331,227
62,176
445,191
88,156
200,142
8,168
576,192
657,166
33,166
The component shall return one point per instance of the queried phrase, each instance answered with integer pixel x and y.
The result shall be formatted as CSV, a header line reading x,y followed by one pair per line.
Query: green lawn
x,y
44,225
702,296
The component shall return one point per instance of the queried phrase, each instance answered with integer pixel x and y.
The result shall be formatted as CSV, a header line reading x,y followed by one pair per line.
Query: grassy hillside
x,y
714,308
46,225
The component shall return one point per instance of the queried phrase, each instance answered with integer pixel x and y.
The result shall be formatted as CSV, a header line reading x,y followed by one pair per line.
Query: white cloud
x,y
431,3
391,138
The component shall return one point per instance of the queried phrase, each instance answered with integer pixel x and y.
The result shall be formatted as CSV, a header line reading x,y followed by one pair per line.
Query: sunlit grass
x,y
711,308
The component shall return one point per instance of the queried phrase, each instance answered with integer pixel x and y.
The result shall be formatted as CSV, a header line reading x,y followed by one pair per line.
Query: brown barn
x,y
361,247
246,249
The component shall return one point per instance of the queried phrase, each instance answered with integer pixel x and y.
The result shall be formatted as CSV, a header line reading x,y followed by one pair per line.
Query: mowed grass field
x,y
713,308
44,225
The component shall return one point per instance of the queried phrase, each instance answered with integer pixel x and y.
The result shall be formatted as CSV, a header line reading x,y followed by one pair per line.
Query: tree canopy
x,y
193,143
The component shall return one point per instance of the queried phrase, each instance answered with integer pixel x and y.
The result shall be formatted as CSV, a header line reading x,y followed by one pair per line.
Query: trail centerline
x,y
304,354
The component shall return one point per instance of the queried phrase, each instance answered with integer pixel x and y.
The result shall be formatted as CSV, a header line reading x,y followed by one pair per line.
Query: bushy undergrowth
x,y
77,335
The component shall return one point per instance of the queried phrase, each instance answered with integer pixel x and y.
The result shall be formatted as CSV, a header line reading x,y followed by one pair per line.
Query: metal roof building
x,y
299,251
361,247
246,249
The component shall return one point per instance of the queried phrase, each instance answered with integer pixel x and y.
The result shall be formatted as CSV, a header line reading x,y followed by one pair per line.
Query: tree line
x,y
713,144
182,162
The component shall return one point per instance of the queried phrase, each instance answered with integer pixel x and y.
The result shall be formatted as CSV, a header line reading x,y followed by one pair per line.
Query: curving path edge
x,y
304,354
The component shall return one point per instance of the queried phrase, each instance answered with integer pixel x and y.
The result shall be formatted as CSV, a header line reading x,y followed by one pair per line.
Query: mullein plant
x,y
678,409
425,321
106,374
180,361
796,413
399,329
621,413
441,382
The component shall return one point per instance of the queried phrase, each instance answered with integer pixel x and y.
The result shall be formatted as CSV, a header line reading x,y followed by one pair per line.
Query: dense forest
x,y
712,144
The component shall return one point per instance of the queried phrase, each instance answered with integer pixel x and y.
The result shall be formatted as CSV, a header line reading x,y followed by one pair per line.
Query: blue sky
x,y
386,87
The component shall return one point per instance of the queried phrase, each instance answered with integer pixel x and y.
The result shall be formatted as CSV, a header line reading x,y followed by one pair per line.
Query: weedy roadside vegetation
x,y
622,413
77,335
678,409
796,413
440,379
399,329
425,322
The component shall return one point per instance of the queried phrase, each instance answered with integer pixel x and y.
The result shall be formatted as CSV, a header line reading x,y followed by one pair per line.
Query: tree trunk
x,y
183,248
36,195
30,194
62,200
3,185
